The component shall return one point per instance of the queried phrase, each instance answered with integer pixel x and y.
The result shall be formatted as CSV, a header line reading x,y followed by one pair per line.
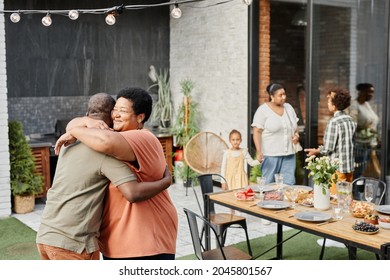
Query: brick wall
x,y
209,46
265,49
5,192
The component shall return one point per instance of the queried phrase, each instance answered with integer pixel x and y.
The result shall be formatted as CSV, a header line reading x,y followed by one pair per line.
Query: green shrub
x,y
24,181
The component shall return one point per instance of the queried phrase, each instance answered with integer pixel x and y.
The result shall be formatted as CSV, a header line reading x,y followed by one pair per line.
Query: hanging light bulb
x,y
15,17
110,19
46,20
176,12
73,14
247,2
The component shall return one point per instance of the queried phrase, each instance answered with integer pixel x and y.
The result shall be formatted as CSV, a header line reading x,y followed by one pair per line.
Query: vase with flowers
x,y
323,172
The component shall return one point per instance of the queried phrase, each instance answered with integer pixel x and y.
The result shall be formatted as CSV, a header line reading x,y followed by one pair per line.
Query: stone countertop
x,y
42,140
38,144
49,140
160,132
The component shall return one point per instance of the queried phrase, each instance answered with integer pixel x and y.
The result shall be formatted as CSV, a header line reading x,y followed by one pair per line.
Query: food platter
x,y
312,216
367,232
384,209
274,204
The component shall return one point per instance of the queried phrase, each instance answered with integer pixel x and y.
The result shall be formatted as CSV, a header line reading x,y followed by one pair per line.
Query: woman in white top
x,y
366,136
274,133
233,167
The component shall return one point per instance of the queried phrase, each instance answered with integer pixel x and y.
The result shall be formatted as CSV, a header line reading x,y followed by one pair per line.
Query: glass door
x,y
349,48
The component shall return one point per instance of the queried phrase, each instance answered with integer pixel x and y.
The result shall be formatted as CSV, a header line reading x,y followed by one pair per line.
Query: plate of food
x,y
308,202
365,228
248,194
313,216
304,192
273,195
360,209
384,209
273,187
274,204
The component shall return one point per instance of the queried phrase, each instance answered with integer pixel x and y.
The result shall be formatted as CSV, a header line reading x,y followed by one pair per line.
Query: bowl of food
x,y
384,222
248,194
360,209
371,219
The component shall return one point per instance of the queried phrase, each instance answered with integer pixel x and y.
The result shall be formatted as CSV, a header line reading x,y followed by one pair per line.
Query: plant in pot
x,y
162,108
25,184
185,127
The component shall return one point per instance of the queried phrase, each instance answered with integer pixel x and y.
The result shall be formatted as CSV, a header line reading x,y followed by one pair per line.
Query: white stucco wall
x,y
209,46
5,192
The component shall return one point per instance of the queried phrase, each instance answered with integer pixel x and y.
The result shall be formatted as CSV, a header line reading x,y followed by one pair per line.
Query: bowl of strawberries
x,y
384,222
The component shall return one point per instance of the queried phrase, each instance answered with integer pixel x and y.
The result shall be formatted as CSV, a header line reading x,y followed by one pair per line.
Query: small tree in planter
x,y
186,126
25,184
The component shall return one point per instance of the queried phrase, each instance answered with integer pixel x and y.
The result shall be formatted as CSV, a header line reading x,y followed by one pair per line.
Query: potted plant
x,y
25,184
162,108
186,126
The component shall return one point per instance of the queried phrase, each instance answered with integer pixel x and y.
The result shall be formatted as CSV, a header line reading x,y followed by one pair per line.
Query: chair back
x,y
196,237
207,186
358,186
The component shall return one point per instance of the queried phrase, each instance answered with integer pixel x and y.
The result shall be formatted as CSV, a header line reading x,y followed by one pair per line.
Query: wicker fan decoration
x,y
204,151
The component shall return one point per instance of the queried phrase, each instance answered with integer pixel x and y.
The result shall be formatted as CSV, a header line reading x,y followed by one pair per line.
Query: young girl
x,y
233,163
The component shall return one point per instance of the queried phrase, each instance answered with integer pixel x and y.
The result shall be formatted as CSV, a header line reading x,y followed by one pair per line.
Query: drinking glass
x,y
369,192
260,185
279,180
293,196
337,212
344,197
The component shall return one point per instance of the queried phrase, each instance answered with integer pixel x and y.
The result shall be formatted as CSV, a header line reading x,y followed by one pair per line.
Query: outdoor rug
x,y
301,247
17,241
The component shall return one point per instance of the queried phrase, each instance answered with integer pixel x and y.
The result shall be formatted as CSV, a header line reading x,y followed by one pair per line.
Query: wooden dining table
x,y
340,230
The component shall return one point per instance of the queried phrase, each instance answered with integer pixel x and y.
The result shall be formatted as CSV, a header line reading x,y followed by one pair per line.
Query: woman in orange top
x,y
141,230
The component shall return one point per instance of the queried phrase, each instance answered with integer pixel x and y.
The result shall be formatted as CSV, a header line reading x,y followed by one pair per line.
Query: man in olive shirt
x,y
71,219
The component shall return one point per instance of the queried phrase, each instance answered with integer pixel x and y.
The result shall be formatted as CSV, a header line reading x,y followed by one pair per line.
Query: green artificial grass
x,y
17,241
301,247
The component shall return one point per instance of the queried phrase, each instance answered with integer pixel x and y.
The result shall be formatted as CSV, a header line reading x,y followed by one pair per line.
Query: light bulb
x,y
15,17
110,19
46,20
73,14
176,12
247,2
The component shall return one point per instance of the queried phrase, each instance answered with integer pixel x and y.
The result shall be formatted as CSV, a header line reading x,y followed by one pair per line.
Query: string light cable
x,y
111,12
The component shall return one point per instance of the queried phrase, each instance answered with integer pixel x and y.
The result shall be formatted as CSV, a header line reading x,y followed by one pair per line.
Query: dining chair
x,y
358,186
218,253
221,221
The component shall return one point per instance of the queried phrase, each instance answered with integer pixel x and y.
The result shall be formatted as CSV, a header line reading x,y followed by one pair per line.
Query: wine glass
x,y
293,196
369,192
260,185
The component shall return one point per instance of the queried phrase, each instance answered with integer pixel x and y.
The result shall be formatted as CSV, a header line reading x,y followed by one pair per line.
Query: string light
x,y
46,20
110,19
176,12
73,14
15,17
111,13
247,2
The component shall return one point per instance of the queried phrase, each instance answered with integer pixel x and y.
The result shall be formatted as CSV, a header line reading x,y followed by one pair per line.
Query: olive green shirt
x,y
72,215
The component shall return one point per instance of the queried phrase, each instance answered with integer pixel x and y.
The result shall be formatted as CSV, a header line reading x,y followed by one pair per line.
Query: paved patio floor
x,y
181,198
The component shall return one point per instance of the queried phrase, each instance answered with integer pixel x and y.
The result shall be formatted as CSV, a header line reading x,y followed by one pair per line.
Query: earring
x,y
139,126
